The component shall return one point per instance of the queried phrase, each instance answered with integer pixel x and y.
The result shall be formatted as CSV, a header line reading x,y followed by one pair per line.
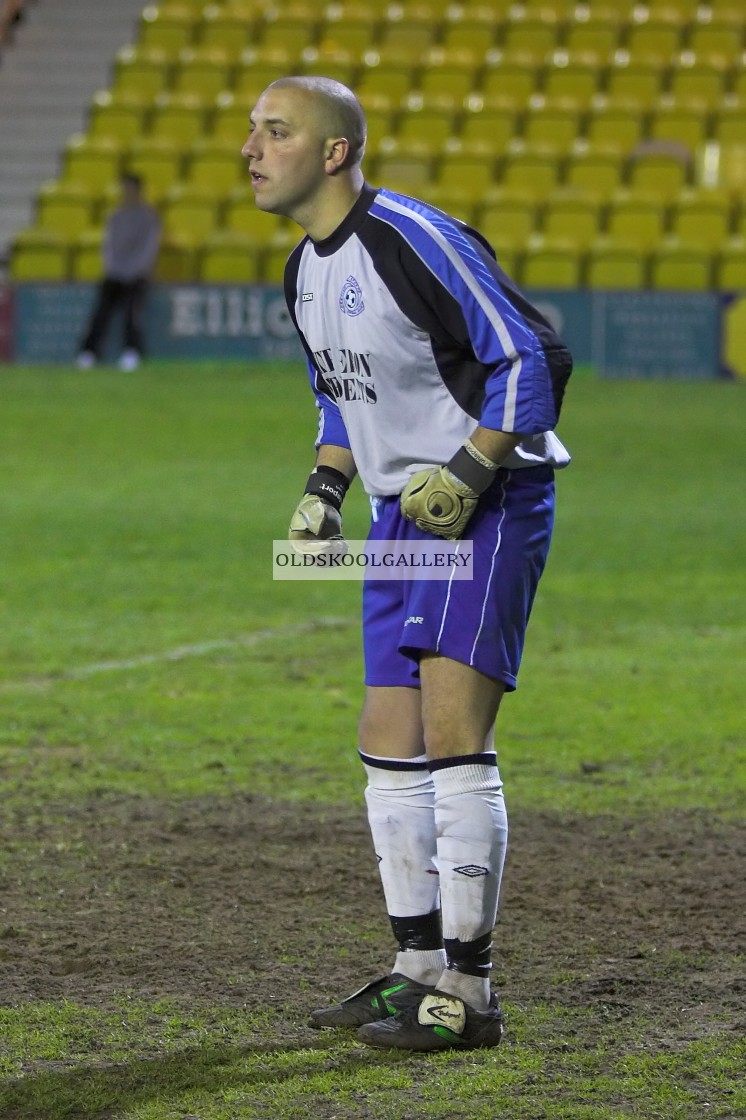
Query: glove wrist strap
x,y
472,467
328,483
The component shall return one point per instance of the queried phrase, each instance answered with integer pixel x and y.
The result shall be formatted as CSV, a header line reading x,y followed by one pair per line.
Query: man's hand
x,y
316,525
438,502
441,500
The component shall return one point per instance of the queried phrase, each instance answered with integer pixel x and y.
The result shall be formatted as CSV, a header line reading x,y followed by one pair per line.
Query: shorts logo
x,y
414,620
351,298
307,297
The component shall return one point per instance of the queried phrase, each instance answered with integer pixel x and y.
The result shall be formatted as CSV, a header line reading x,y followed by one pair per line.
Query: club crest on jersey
x,y
351,298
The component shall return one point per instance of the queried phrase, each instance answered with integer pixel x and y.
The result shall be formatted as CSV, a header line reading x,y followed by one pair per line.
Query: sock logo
x,y
472,870
442,1011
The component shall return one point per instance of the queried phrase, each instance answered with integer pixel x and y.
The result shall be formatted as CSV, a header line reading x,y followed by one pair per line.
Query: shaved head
x,y
341,114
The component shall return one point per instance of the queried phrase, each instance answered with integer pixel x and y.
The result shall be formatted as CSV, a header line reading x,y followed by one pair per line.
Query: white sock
x,y
472,832
400,797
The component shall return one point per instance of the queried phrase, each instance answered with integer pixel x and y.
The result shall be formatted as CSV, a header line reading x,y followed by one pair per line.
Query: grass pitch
x,y
146,654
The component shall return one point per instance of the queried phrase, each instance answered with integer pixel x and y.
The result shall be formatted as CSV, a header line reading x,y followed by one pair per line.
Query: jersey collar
x,y
349,225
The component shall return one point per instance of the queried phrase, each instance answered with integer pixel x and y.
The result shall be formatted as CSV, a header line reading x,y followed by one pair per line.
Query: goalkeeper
x,y
439,384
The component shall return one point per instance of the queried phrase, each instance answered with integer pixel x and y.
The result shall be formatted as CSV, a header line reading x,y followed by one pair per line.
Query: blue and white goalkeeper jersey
x,y
414,335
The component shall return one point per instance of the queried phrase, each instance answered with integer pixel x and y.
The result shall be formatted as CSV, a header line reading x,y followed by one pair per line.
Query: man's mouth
x,y
256,178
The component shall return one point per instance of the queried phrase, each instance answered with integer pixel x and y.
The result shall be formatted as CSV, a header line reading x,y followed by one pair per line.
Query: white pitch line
x,y
178,653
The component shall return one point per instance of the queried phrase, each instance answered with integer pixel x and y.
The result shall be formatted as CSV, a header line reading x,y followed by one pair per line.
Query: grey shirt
x,y
131,242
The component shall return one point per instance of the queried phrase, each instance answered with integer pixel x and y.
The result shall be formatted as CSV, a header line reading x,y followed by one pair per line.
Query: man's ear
x,y
337,151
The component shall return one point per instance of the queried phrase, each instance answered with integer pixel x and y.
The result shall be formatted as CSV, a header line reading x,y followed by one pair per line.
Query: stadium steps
x,y
61,54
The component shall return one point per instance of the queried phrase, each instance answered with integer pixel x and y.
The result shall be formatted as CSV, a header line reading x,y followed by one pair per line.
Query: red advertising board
x,y
6,323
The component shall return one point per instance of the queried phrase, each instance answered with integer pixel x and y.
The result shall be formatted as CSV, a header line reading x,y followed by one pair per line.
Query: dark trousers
x,y
129,295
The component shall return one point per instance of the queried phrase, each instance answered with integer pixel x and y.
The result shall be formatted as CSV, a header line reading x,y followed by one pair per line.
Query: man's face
x,y
286,151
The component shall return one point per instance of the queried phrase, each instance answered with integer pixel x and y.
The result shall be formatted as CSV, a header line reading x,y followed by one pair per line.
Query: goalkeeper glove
x,y
441,500
316,525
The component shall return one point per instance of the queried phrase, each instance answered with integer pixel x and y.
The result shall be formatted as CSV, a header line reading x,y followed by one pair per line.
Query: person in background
x,y
130,249
439,384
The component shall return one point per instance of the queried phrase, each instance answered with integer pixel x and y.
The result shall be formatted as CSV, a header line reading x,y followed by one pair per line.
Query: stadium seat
x,y
636,217
168,27
553,125
215,166
451,73
189,215
661,172
572,216
489,117
638,80
729,123
290,26
595,168
535,171
230,119
573,77
390,77
275,255
407,29
381,113
225,30
534,34
66,210
432,119
342,65
551,264
349,26
682,124
86,259
676,266
119,119
614,264
457,202
473,27
718,38
598,32
38,254
179,118
658,36
177,261
513,76
617,124
157,162
730,266
469,166
508,217
229,257
92,163
702,217
241,216
141,72
257,68
407,167
203,72
698,81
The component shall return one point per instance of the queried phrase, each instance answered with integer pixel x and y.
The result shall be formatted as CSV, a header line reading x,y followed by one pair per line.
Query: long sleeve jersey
x,y
414,335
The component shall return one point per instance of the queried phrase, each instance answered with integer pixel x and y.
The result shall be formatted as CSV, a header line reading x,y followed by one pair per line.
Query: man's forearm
x,y
495,445
329,455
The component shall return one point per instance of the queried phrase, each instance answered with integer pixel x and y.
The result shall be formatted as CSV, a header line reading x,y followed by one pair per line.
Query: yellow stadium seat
x,y
658,35
553,125
229,257
169,28
215,166
551,264
432,119
471,27
342,65
676,266
687,10
698,81
614,264
350,26
508,217
572,76
702,217
535,171
38,254
448,72
470,166
225,30
381,113
536,35
595,168
177,261
729,123
180,118
491,118
275,255
189,215
241,216
457,202
92,163
86,259
616,124
392,77
561,10
291,26
203,72
730,266
664,173
718,37
637,218
157,162
407,28
406,167
257,68
572,216
117,119
596,33
511,75
640,80
141,72
683,124
66,210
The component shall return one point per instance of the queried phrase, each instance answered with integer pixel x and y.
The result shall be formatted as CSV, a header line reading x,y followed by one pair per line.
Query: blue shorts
x,y
481,622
